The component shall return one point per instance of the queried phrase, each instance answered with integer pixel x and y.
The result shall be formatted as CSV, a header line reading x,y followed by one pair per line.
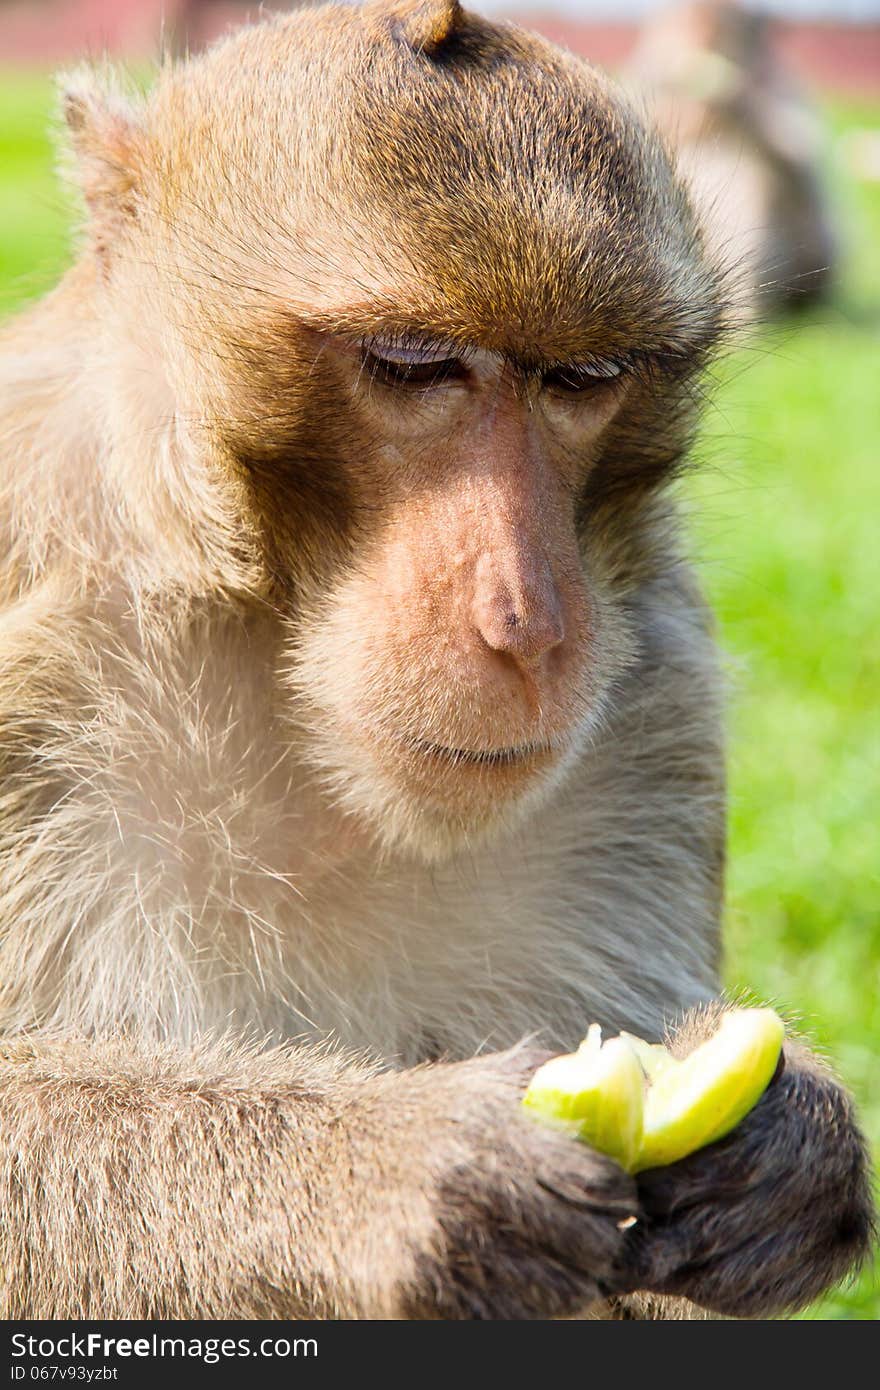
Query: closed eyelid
x,y
410,352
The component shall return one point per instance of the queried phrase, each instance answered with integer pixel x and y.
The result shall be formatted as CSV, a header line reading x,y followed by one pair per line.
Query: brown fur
x,y
351,729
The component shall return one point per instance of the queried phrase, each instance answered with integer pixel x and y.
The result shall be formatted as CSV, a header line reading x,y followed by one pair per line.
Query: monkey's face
x,y
434,297
458,661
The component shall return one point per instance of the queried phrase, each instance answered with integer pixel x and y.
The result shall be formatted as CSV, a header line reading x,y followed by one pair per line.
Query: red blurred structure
x,y
839,57
51,31
836,57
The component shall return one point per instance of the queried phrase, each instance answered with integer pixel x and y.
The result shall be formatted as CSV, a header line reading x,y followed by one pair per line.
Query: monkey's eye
x,y
400,364
576,378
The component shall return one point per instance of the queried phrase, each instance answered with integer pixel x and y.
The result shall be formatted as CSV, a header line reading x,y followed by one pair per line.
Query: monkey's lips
x,y
527,754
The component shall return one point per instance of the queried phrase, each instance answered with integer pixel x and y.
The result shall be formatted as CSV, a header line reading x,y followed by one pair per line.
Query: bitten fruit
x,y
597,1092
634,1101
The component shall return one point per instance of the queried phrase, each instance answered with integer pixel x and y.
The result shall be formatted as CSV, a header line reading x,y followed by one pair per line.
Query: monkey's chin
x,y
432,800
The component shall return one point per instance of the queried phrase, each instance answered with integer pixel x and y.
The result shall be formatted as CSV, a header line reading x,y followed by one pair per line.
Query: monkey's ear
x,y
426,25
107,142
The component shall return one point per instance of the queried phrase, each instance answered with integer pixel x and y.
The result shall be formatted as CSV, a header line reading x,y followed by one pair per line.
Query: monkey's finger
x,y
613,1194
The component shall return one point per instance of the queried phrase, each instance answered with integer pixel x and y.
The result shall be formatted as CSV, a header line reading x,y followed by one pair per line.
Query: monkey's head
x,y
413,301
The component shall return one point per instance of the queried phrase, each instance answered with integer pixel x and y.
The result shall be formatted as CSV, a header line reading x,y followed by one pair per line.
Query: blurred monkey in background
x,y
749,145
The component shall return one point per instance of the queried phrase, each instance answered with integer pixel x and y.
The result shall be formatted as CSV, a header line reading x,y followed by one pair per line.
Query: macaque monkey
x,y
748,144
360,716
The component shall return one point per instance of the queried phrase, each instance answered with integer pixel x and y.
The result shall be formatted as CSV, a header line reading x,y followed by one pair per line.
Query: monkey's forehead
x,y
526,199
503,184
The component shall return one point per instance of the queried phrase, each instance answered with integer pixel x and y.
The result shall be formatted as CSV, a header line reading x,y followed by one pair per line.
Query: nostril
x,y
517,607
525,633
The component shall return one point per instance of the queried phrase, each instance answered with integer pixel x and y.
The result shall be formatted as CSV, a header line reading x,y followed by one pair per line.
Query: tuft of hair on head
x,y
424,25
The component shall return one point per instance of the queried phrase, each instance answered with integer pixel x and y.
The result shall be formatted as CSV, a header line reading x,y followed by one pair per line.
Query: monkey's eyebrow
x,y
380,320
385,318
375,322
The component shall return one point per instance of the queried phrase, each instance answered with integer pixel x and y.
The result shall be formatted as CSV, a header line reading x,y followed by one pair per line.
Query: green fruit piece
x,y
700,1099
654,1057
597,1092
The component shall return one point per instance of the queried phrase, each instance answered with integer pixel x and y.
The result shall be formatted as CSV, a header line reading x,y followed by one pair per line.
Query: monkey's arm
x,y
769,1217
229,1183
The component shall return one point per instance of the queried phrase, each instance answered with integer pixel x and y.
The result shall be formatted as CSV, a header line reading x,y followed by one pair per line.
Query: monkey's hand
x,y
770,1216
523,1221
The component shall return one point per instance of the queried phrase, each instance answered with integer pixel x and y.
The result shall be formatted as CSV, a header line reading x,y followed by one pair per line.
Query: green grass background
x,y
786,524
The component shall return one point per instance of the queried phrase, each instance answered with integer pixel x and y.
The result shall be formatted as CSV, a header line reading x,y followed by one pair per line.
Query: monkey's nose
x,y
525,629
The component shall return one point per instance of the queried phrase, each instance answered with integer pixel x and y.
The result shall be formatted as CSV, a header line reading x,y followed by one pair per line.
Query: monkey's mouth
x,y
481,757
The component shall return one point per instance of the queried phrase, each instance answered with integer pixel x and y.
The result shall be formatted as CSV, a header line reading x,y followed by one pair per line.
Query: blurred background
x,y
774,111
